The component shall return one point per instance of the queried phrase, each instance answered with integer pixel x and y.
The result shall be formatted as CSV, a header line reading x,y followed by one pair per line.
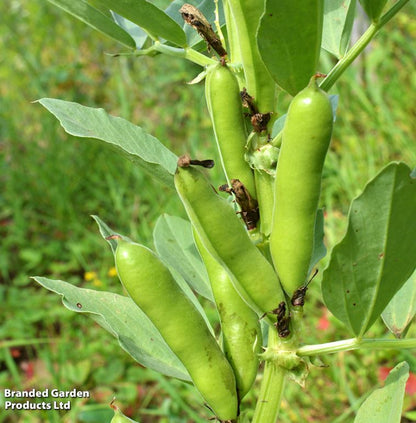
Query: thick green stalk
x,y
359,46
268,404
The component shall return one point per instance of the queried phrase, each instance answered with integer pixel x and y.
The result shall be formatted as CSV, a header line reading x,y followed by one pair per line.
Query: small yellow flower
x,y
112,272
89,276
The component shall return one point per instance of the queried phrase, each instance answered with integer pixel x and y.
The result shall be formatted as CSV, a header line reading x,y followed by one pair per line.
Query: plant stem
x,y
392,12
355,344
185,53
359,46
218,25
268,404
19,343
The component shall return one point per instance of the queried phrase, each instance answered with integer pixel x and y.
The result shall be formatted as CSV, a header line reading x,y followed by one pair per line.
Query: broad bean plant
x,y
251,246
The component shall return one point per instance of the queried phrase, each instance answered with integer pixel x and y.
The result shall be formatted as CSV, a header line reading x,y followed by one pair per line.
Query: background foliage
x,y
52,183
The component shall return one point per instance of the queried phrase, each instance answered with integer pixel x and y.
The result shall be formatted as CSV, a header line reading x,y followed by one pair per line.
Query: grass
x,y
52,183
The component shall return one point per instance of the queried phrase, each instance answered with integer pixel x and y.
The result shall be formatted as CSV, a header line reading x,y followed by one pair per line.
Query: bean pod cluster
x,y
245,282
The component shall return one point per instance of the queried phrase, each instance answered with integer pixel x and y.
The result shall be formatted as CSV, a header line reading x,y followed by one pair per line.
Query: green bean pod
x,y
246,15
224,105
223,235
119,417
152,287
240,326
306,137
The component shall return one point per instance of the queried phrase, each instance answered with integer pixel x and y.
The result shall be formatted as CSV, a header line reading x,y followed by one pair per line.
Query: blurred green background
x,y
51,183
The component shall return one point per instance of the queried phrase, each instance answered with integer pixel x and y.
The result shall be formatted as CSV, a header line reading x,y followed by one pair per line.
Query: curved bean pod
x,y
240,326
224,105
152,287
227,241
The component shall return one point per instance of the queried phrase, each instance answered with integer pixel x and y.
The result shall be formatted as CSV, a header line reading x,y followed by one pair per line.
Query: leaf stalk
x,y
355,344
360,45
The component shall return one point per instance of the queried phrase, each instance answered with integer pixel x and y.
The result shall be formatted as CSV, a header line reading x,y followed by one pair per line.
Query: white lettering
x,y
61,405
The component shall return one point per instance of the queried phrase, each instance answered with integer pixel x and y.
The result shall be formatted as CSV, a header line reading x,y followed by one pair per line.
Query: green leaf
x,y
142,148
96,19
338,22
385,404
173,10
123,319
378,252
138,35
373,8
402,308
176,247
150,18
289,40
410,415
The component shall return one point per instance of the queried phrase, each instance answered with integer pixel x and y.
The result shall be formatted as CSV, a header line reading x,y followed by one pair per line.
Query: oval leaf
x,y
175,245
149,17
402,308
289,40
338,22
373,8
378,252
95,19
142,148
138,35
385,404
123,319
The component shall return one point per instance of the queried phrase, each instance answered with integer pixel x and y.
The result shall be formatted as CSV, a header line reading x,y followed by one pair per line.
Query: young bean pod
x,y
240,326
246,15
119,417
224,105
306,138
228,242
152,287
